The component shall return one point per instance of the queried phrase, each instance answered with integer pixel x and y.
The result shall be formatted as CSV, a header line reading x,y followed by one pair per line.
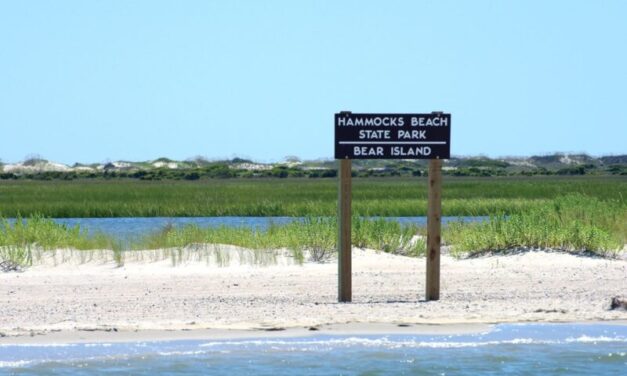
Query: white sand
x,y
387,289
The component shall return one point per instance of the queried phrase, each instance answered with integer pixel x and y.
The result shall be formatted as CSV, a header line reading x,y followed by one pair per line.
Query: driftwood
x,y
10,266
619,302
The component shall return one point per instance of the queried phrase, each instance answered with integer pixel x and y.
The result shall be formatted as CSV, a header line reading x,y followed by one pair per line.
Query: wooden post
x,y
344,233
434,217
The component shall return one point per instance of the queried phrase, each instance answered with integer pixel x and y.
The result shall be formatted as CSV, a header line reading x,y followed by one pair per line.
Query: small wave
x,y
97,345
15,363
324,344
191,352
588,339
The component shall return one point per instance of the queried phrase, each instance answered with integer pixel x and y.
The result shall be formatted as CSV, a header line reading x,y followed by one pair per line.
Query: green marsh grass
x,y
574,223
290,197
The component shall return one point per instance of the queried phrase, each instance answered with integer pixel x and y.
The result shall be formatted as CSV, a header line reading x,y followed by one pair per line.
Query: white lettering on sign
x,y
376,134
368,151
412,135
402,151
429,122
392,135
385,121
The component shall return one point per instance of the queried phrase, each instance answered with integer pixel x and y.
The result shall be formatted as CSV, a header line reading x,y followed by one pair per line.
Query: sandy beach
x,y
90,299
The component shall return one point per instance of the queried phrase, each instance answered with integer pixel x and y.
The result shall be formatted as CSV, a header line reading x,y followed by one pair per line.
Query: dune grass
x,y
313,237
574,223
47,234
19,239
290,197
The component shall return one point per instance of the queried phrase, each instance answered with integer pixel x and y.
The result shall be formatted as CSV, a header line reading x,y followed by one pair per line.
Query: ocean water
x,y
517,349
128,228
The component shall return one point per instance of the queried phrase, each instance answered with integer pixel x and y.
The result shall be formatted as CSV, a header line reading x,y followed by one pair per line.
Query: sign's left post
x,y
344,233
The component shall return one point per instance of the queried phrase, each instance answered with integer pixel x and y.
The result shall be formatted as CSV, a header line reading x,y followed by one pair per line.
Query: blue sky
x,y
107,80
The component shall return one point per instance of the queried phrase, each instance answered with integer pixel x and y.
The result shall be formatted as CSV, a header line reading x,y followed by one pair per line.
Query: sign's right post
x,y
434,218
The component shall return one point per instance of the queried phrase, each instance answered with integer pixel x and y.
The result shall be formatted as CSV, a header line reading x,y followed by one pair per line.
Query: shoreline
x,y
145,335
348,329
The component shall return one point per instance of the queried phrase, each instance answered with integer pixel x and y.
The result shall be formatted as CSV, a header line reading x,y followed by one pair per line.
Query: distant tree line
x,y
225,171
214,171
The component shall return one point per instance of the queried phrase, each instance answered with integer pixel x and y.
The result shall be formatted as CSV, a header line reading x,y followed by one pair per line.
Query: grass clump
x,y
387,236
19,254
574,223
313,236
20,238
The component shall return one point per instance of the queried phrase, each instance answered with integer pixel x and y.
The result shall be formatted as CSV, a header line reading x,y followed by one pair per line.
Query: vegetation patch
x,y
290,197
312,237
21,238
573,223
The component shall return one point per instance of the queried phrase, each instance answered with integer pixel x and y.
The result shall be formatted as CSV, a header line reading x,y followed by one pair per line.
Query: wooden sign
x,y
392,136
